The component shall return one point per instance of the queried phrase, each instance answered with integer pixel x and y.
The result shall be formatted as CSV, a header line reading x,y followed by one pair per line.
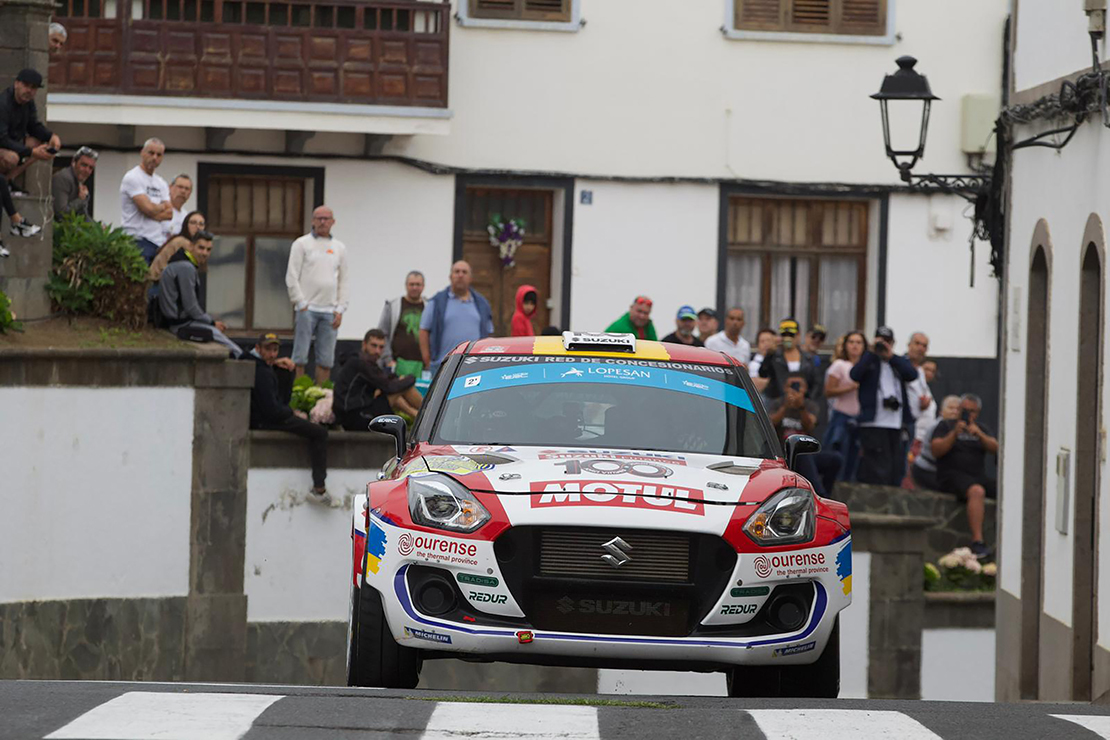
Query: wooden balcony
x,y
391,53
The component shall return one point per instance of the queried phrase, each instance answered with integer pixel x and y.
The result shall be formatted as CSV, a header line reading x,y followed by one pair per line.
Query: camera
x,y
965,416
796,385
892,403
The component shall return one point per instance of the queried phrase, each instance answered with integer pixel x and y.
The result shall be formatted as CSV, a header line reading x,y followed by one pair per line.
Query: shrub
x,y
98,271
7,318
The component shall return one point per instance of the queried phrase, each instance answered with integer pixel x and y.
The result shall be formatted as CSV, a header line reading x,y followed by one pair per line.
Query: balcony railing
x,y
339,51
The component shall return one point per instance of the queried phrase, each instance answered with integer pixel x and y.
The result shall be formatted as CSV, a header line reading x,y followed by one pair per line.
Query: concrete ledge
x,y
959,610
889,533
346,450
123,367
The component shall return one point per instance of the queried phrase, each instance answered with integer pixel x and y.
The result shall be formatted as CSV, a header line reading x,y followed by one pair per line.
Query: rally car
x,y
595,500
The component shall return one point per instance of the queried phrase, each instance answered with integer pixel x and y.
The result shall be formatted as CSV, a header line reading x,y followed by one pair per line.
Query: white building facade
x,y
720,153
1053,629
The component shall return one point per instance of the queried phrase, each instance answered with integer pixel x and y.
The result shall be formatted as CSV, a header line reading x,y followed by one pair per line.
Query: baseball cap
x,y
788,326
708,312
885,332
818,329
30,77
268,338
687,312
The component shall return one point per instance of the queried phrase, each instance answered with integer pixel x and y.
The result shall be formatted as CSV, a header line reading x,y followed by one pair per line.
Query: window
x,y
840,17
522,10
805,259
255,219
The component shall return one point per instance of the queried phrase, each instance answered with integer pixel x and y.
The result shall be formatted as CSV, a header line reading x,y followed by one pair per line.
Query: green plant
x,y
7,318
306,393
959,570
98,271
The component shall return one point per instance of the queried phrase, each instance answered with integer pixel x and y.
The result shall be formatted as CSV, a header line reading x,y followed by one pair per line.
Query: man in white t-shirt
x,y
145,201
317,281
181,189
729,340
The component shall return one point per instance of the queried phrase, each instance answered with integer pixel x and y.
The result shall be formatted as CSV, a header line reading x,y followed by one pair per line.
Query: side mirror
x,y
796,446
395,427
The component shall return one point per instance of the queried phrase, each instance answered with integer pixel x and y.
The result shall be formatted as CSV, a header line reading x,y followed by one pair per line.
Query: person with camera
x,y
793,413
884,410
960,448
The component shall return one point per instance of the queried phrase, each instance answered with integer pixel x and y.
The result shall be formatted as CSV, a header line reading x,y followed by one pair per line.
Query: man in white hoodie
x,y
317,282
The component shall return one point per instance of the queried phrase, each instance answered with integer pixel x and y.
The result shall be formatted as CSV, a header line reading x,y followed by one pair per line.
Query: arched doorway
x,y
1033,475
1087,424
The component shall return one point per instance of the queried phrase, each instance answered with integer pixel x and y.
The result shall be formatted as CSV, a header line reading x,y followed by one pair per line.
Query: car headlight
x,y
787,518
439,502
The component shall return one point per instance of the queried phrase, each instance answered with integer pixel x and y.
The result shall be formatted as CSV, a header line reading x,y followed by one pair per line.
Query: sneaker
x,y
25,228
319,497
3,250
20,194
980,550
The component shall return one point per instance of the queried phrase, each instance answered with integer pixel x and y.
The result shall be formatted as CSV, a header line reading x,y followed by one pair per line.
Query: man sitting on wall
x,y
179,298
364,390
270,408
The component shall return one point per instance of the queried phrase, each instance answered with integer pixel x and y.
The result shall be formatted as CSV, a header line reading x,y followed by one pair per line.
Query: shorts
x,y
957,482
310,325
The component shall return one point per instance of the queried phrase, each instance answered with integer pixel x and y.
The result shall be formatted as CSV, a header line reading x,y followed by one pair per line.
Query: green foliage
x,y
98,271
7,318
305,394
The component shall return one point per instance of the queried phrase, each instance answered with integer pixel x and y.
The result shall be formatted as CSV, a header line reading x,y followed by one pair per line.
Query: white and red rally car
x,y
594,500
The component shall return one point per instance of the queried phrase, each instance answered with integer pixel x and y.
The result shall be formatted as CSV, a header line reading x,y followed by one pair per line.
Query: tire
x,y
819,680
374,658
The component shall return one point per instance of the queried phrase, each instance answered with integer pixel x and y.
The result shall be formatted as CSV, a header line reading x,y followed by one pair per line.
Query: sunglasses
x,y
642,301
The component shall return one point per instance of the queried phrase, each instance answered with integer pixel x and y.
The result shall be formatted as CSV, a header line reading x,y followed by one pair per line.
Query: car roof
x,y
553,345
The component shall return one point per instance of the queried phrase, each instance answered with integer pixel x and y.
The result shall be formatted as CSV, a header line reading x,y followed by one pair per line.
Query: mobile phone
x,y
965,416
796,385
51,150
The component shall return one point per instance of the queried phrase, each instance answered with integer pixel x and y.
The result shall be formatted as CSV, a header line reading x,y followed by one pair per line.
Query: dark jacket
x,y
674,339
17,122
774,368
866,373
270,395
179,298
357,380
65,189
438,304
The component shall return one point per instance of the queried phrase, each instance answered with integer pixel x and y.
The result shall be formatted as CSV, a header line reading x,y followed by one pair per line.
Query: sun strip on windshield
x,y
515,376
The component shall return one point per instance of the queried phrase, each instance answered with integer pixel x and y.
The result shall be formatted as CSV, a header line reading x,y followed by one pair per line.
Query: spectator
x,y
729,340
317,281
270,409
795,413
707,323
401,323
884,410
922,404
364,390
785,359
57,36
458,314
179,298
191,225
23,138
181,189
924,468
71,194
765,341
145,200
815,339
526,298
18,225
960,447
684,328
843,392
637,321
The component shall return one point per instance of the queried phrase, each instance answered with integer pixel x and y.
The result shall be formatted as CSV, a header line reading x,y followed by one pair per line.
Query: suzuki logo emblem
x,y
616,552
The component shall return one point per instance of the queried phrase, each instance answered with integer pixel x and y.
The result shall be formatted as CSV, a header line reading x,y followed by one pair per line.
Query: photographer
x,y
960,447
793,413
884,410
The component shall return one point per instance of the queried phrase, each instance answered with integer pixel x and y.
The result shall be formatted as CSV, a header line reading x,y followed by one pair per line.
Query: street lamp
x,y
908,85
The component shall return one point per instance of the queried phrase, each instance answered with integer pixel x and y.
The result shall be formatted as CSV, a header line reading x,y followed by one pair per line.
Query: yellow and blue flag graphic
x,y
844,568
375,548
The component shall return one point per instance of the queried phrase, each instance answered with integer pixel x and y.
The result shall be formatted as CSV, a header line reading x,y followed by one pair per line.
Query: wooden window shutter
x,y
847,17
760,15
528,10
862,17
506,9
547,10
811,15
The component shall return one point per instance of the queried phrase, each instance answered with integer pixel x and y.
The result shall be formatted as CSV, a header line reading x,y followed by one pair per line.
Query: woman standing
x,y
193,223
843,394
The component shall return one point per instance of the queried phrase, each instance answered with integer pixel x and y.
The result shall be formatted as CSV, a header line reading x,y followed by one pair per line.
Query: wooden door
x,y
533,259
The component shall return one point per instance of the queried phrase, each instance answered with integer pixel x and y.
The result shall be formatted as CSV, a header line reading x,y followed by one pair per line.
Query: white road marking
x,y
838,724
149,715
455,720
1098,725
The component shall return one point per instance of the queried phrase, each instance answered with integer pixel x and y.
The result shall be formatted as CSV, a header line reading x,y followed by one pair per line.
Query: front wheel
x,y
819,680
374,658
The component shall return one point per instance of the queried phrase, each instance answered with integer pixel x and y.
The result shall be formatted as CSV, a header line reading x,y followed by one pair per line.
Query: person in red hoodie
x,y
525,309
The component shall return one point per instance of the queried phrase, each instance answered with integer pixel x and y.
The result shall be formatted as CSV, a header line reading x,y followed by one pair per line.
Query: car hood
x,y
695,479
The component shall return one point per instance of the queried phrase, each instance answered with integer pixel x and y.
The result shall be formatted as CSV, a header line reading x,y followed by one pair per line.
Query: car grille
x,y
577,553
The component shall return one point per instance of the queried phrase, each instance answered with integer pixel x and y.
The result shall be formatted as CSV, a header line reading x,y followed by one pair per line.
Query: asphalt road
x,y
30,710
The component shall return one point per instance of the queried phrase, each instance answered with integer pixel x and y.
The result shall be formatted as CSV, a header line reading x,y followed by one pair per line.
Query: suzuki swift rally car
x,y
594,500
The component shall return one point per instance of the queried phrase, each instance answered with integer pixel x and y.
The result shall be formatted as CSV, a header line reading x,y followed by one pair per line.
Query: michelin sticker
x,y
426,635
795,649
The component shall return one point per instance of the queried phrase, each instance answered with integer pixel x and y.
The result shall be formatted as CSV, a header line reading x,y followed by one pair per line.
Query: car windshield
x,y
614,402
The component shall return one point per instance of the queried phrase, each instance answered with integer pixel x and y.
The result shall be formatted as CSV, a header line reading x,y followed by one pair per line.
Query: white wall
x,y
298,551
957,665
96,492
928,274
1052,41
